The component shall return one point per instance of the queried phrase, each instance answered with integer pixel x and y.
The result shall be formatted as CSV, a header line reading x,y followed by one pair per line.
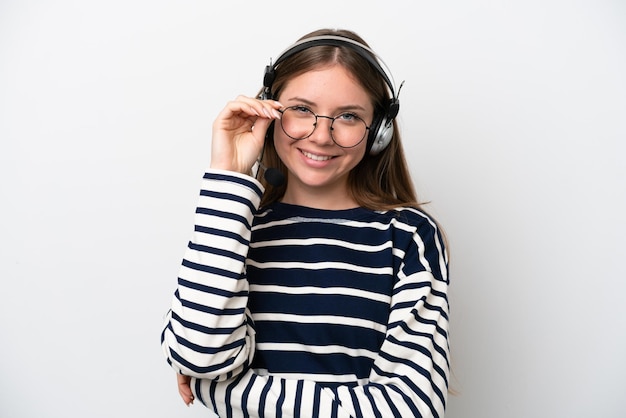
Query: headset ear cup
x,y
268,80
381,133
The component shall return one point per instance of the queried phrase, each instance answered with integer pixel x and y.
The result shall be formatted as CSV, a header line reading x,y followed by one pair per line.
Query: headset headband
x,y
334,40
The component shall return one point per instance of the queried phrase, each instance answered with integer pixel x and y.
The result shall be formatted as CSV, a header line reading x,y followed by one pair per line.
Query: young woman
x,y
319,290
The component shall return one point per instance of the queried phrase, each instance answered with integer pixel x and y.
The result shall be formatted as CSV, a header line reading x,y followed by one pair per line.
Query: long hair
x,y
378,182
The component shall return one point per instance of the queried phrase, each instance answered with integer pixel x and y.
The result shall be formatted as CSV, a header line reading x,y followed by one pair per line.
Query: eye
x,y
348,118
301,110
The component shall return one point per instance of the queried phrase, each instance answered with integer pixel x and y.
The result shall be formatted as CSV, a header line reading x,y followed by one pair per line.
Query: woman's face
x,y
317,167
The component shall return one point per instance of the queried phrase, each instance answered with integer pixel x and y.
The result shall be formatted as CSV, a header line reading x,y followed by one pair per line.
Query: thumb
x,y
184,388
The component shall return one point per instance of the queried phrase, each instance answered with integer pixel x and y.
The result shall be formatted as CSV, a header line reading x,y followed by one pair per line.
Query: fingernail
x,y
276,113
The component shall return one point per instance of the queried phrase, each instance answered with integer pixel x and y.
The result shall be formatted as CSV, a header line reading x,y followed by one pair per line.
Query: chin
x,y
321,181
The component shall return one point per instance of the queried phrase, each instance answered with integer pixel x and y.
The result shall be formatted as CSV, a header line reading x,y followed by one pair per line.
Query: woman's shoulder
x,y
413,216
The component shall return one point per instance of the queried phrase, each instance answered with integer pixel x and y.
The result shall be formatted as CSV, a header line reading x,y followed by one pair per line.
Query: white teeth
x,y
316,157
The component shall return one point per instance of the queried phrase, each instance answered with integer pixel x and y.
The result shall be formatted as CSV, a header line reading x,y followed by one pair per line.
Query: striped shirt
x,y
300,312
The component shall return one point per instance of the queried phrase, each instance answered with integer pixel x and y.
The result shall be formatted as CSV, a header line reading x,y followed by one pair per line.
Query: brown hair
x,y
379,181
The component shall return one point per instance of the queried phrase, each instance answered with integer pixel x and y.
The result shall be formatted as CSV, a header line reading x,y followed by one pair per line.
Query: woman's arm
x,y
207,332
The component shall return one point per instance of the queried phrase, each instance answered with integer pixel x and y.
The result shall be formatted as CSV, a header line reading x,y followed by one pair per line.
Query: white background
x,y
514,119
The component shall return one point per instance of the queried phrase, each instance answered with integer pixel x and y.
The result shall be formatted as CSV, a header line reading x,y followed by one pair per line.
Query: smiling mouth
x,y
316,157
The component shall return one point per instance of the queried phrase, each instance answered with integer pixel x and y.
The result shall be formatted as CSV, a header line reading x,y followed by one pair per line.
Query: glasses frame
x,y
330,128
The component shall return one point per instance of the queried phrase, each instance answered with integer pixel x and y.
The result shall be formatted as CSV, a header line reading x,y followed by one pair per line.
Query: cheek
x,y
359,152
281,141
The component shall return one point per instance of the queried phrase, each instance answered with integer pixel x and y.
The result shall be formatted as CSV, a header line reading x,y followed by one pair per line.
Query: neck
x,y
319,199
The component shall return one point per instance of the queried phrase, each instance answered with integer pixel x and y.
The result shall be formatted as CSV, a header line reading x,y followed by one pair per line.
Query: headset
x,y
381,129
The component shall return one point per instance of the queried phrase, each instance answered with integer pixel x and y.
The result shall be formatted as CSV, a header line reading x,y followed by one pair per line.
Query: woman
x,y
323,293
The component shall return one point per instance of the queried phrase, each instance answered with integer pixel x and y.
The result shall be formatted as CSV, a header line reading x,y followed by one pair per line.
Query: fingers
x,y
261,108
184,388
244,111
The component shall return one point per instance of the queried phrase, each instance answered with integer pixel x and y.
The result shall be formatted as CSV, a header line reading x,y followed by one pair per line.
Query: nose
x,y
322,133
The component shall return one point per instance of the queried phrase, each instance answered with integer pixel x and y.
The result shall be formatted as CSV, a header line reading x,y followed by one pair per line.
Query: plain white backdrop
x,y
514,120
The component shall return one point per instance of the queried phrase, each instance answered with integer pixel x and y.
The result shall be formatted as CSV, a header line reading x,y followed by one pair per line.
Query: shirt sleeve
x,y
410,374
208,333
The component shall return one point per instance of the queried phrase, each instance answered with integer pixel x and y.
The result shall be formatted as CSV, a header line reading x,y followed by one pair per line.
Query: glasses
x,y
346,129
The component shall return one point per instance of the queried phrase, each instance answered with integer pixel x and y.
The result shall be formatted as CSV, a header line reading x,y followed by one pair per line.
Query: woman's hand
x,y
239,131
184,388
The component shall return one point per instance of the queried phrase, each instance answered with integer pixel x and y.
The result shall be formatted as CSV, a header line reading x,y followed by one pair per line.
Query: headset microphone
x,y
272,175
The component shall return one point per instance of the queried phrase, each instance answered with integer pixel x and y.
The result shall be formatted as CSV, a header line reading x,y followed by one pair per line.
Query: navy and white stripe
x,y
295,311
